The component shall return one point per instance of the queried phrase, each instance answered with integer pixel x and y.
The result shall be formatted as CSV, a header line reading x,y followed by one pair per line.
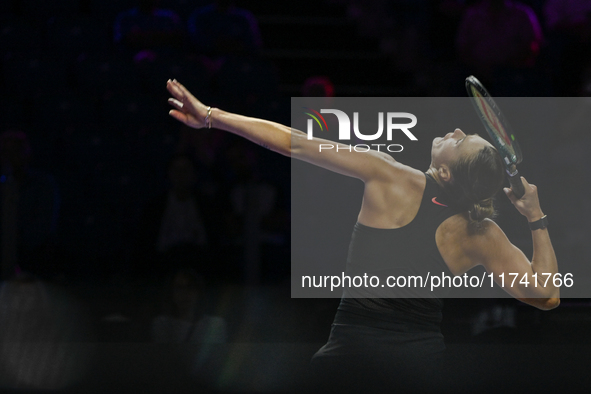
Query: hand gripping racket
x,y
499,131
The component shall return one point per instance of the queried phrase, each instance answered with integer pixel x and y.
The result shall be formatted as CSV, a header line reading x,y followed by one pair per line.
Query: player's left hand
x,y
188,109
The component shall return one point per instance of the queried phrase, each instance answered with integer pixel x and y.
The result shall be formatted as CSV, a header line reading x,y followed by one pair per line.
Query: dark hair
x,y
475,181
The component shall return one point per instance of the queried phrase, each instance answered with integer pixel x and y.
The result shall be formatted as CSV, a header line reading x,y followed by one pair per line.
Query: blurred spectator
x,y
318,87
41,330
443,28
253,223
205,146
184,318
571,16
495,321
569,24
147,27
444,22
29,210
399,25
499,40
176,228
222,29
374,18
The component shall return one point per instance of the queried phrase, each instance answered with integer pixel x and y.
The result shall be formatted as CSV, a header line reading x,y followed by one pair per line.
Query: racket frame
x,y
512,156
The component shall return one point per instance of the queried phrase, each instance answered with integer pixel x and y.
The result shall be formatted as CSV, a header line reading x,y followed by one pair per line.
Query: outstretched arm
x,y
371,165
193,113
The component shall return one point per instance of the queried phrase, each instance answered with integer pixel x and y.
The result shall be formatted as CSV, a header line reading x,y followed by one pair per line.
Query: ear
x,y
444,173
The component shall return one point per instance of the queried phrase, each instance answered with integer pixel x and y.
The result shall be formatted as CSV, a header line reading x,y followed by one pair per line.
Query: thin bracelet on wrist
x,y
207,120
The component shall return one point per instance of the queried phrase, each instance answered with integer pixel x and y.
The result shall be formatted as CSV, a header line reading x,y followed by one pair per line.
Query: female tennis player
x,y
410,221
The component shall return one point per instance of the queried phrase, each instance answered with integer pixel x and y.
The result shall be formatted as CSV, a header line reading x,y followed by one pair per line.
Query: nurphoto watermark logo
x,y
392,120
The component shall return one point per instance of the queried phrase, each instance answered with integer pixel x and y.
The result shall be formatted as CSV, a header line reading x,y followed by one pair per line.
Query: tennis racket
x,y
499,131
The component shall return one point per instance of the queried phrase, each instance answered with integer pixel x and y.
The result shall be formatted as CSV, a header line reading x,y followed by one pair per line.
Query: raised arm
x,y
499,256
371,165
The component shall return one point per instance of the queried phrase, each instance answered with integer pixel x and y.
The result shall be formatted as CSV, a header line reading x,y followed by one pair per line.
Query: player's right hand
x,y
529,204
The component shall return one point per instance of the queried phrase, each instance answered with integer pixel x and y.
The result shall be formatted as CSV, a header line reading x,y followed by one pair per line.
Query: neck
x,y
435,175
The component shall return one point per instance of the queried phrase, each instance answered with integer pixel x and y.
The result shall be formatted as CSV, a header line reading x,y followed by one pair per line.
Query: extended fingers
x,y
175,90
176,103
181,117
187,108
181,93
179,89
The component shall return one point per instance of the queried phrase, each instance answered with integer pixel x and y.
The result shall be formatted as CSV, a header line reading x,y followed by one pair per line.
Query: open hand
x,y
188,109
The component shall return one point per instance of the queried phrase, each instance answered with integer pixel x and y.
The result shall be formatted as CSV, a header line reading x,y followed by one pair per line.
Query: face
x,y
446,150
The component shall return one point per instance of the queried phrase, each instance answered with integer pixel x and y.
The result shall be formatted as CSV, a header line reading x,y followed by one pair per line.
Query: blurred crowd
x,y
100,189
520,48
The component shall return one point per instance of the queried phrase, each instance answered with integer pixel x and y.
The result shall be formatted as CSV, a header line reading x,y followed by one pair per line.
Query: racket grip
x,y
516,185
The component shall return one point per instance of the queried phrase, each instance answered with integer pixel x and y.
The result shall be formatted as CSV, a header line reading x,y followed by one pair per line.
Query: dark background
x,y
96,117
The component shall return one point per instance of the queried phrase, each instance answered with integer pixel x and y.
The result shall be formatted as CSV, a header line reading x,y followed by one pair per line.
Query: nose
x,y
458,134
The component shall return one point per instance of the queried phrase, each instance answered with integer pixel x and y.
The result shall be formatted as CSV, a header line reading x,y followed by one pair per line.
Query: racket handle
x,y
516,185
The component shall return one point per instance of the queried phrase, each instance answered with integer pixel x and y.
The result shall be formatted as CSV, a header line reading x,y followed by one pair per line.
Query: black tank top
x,y
409,251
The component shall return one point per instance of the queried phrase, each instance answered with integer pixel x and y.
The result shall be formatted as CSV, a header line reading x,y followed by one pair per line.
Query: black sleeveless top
x,y
389,336
409,252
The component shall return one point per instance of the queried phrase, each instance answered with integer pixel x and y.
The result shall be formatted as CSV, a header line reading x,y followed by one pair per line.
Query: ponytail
x,y
482,210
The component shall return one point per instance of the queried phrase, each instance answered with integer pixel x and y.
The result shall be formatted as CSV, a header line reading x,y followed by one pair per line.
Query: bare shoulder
x,y
392,199
368,165
396,180
462,247
395,172
391,170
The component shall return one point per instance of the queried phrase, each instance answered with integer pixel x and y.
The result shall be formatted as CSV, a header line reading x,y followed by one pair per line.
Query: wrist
x,y
215,119
535,216
207,119
541,223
